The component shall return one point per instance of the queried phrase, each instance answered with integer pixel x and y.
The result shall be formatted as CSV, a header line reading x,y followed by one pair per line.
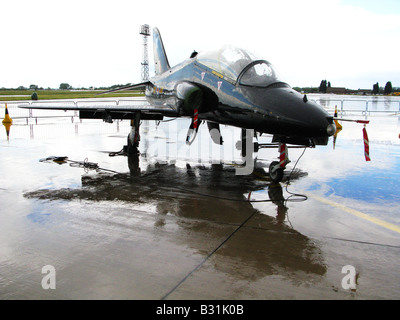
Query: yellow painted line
x,y
359,214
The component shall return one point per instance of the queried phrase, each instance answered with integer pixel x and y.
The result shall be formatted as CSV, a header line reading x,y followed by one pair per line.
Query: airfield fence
x,y
365,106
28,114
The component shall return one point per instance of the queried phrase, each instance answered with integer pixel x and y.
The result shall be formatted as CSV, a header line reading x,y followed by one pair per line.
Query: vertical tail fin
x,y
161,63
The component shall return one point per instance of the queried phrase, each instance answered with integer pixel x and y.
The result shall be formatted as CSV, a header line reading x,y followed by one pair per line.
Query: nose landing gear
x,y
277,168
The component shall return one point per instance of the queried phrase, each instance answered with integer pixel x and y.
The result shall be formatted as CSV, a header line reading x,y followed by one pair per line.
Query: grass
x,y
13,95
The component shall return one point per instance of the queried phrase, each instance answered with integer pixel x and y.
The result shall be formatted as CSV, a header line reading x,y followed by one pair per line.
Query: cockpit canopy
x,y
241,66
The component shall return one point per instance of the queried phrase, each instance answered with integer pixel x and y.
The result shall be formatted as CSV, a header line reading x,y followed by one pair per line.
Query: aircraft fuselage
x,y
277,109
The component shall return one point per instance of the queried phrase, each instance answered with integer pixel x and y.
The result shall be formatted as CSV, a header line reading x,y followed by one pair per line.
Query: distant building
x,y
336,90
364,92
342,90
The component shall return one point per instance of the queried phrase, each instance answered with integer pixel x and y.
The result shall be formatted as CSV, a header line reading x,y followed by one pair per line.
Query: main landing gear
x,y
131,150
134,136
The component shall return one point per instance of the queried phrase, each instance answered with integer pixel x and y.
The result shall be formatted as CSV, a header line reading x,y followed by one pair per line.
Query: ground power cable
x,y
302,197
85,164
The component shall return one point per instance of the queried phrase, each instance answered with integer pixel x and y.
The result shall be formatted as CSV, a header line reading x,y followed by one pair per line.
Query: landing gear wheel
x,y
277,175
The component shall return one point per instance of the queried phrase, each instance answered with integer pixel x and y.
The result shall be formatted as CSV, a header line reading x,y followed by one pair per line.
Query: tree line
x,y
65,86
323,88
376,89
324,85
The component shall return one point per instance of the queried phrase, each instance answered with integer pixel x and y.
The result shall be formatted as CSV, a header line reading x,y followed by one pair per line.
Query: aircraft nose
x,y
317,120
311,117
304,116
292,114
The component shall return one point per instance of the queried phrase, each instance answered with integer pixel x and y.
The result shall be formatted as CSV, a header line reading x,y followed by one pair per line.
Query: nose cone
x,y
300,115
310,117
295,115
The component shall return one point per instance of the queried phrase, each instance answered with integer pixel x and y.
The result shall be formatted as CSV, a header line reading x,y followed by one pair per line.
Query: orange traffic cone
x,y
7,118
338,127
7,126
7,122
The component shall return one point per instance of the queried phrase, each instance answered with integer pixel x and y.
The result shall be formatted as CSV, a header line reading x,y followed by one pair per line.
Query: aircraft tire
x,y
276,176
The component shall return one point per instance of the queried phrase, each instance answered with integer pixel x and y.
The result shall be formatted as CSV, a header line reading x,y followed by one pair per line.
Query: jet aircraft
x,y
229,86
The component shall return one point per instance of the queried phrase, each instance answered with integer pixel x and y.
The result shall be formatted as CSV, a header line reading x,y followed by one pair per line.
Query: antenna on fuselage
x,y
145,32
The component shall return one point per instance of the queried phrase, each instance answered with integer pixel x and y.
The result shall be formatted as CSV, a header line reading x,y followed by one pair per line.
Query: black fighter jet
x,y
229,86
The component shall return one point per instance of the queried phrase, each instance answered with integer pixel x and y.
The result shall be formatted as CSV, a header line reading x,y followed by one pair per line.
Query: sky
x,y
351,43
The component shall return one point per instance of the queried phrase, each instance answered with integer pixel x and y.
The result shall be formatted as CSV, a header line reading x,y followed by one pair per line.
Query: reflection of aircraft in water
x,y
208,203
229,86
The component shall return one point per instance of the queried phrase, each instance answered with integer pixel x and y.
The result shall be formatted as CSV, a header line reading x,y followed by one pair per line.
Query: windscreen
x,y
228,60
233,62
259,74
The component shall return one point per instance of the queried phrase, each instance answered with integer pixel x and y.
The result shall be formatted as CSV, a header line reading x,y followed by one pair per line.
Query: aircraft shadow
x,y
208,203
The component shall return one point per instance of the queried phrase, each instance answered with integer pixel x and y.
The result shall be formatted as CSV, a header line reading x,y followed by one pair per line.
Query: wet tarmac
x,y
178,223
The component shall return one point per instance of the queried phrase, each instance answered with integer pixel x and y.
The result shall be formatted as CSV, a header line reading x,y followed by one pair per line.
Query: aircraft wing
x,y
101,108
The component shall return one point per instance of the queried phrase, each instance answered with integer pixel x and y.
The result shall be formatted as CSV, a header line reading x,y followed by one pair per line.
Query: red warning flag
x,y
283,155
366,145
195,118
